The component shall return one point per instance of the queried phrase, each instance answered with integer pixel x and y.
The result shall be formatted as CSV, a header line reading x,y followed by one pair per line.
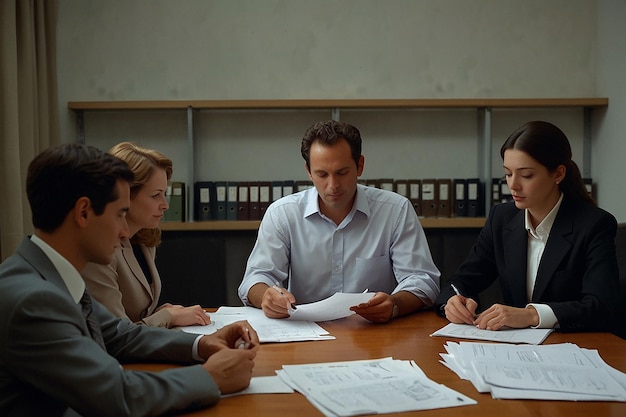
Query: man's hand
x,y
231,369
239,335
230,352
277,302
378,309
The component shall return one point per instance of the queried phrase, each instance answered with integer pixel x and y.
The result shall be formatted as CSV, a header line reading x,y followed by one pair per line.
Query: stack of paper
x,y
468,331
549,372
369,387
269,330
300,326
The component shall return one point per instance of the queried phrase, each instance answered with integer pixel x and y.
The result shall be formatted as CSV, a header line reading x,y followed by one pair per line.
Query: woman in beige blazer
x,y
130,285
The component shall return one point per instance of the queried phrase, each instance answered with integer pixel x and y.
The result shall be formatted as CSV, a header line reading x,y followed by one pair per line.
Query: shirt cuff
x,y
194,349
547,319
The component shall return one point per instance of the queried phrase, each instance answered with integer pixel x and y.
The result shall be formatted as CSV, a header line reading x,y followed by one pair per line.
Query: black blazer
x,y
577,276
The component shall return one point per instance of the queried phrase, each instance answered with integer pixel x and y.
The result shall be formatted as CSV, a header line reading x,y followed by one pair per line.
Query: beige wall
x,y
230,49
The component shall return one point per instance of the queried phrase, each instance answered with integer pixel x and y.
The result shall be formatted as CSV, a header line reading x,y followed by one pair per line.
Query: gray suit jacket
x,y
49,365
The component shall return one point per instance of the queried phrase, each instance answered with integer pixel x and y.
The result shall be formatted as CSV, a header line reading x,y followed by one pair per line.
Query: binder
x,y
429,197
589,187
386,184
302,185
415,195
444,197
495,190
231,200
402,187
243,204
289,187
205,200
255,208
277,190
505,192
474,198
265,191
221,199
460,197
176,201
373,183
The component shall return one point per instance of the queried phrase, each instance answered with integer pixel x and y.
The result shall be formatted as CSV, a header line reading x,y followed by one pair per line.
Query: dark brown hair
x,y
60,175
549,146
328,133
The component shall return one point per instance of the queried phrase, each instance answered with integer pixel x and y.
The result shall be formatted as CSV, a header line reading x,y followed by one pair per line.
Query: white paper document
x,y
468,331
269,330
551,372
334,307
264,385
369,387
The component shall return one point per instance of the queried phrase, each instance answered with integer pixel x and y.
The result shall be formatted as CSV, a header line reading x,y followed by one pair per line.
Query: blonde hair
x,y
142,162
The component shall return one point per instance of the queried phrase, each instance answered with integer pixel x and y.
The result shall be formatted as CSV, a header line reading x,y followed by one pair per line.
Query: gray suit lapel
x,y
40,262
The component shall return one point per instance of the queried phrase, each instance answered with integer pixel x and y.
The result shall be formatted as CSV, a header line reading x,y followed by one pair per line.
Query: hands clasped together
x,y
229,354
460,309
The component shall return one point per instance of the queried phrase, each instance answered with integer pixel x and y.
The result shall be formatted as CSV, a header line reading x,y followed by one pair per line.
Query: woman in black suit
x,y
552,249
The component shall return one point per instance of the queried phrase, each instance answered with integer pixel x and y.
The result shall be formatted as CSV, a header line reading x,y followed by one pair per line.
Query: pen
x,y
292,307
456,290
242,343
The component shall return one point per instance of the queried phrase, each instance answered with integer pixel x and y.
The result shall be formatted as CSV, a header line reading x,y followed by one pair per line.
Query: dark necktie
x,y
92,323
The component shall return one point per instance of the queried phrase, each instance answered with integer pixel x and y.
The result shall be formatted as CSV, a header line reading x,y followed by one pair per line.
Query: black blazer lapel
x,y
557,247
515,240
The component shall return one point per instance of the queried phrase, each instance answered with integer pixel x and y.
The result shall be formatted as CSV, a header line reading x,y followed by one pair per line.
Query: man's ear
x,y
82,210
360,165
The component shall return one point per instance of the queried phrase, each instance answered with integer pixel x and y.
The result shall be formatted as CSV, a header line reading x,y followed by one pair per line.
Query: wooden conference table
x,y
405,338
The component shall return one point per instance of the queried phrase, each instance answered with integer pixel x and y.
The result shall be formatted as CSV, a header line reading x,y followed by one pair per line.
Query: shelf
x,y
233,225
592,102
483,107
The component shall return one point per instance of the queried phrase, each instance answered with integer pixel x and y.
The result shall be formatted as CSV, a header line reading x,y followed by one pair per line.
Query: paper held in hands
x,y
334,307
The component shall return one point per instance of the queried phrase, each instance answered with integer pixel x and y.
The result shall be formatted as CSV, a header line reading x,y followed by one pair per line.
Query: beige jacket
x,y
123,288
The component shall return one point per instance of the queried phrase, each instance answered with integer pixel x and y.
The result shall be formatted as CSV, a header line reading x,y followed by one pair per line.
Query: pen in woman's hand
x,y
456,290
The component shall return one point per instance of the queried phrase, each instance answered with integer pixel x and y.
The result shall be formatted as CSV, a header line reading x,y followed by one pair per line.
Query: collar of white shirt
x,y
543,229
70,276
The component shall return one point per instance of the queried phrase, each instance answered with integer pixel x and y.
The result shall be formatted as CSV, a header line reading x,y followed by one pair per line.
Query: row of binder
x,y
229,200
248,200
500,192
438,197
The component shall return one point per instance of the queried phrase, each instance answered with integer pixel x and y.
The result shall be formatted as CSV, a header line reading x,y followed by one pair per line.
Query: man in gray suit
x,y
59,356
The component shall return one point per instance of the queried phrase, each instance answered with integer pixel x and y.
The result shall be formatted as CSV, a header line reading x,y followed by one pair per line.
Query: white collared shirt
x,y
70,276
537,239
379,246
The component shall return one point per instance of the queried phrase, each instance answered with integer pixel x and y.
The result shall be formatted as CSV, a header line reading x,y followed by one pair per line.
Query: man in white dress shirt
x,y
340,237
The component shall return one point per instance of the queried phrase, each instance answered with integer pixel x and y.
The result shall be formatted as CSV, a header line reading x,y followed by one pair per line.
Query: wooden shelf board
x,y
338,103
231,225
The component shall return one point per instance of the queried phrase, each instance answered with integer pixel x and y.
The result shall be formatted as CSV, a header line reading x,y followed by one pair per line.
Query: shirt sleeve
x,y
269,260
547,318
413,264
